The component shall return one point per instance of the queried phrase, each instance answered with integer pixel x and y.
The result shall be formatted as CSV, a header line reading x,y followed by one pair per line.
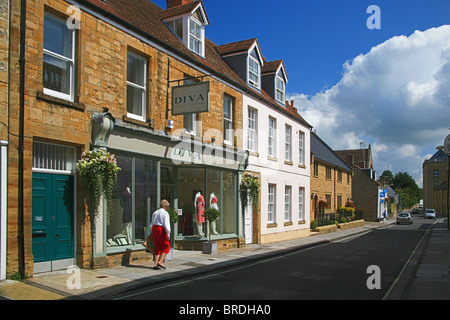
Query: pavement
x,y
425,275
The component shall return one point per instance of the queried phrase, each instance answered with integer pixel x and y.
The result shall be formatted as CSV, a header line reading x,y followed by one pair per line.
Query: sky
x,y
356,85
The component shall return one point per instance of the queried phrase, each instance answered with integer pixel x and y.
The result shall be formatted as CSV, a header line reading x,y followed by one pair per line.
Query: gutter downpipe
x,y
21,239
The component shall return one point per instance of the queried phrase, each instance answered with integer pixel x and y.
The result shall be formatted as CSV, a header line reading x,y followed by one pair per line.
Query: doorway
x,y
53,201
52,224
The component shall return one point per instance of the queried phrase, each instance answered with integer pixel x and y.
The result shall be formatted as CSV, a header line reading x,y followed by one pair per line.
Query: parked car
x,y
430,214
404,217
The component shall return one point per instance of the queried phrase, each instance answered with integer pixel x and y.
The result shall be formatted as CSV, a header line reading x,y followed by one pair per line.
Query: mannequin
x,y
199,209
127,214
213,204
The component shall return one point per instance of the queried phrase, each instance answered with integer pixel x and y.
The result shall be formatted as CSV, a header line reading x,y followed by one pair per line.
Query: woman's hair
x,y
164,204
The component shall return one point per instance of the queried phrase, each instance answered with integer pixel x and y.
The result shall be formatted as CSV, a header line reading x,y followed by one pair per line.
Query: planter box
x,y
209,247
351,224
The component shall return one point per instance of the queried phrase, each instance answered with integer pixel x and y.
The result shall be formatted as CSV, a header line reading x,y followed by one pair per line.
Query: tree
x,y
407,189
386,178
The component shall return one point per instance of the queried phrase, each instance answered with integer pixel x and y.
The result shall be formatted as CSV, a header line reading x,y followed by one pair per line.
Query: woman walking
x,y
160,227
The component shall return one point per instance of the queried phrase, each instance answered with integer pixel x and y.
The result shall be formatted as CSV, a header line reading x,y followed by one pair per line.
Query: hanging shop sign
x,y
191,98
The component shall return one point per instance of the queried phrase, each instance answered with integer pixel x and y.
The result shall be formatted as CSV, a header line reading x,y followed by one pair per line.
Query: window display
x,y
128,220
189,189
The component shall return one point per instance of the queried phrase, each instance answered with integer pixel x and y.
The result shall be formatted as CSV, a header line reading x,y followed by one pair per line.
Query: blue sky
x,y
387,87
315,38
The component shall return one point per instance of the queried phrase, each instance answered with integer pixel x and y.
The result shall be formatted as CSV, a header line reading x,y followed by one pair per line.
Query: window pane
x,y
135,100
136,69
119,219
145,195
57,37
57,74
229,202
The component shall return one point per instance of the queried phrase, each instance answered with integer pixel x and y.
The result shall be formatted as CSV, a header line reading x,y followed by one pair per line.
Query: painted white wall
x,y
275,170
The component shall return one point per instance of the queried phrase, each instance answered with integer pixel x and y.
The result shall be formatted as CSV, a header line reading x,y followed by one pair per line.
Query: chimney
x,y
174,3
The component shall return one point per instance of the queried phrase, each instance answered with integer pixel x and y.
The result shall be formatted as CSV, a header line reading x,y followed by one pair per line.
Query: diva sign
x,y
191,98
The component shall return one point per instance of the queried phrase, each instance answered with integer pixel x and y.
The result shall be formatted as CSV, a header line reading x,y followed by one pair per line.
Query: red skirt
x,y
162,245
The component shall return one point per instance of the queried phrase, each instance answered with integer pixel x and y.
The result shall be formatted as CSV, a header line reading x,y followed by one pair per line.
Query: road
x,y
339,270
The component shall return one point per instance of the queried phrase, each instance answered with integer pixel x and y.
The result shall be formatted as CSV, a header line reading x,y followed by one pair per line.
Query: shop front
x,y
192,176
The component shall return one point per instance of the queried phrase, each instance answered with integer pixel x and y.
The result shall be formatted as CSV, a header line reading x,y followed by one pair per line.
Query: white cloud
x,y
396,97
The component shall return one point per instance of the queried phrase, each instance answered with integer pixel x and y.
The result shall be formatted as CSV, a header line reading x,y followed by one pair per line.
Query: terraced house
x,y
147,85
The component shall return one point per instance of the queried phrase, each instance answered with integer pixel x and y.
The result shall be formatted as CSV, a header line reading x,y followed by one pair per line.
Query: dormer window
x,y
253,72
187,20
280,87
196,38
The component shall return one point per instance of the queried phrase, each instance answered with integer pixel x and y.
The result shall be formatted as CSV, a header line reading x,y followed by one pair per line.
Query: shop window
x,y
132,202
218,190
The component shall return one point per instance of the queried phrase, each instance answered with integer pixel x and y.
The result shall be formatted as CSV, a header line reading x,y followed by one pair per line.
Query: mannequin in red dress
x,y
200,209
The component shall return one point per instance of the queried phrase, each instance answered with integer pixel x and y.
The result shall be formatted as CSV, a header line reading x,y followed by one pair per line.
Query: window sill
x,y
272,158
137,122
302,222
302,166
288,223
65,103
272,225
289,163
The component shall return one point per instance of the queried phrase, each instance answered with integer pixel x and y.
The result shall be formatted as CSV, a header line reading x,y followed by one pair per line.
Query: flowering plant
x,y
323,204
350,204
99,168
249,187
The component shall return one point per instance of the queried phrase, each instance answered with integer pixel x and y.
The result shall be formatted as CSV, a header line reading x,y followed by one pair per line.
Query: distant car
x,y
404,217
430,214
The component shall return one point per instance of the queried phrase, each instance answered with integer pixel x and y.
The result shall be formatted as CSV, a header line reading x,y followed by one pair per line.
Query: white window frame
x,y
252,137
271,203
228,122
280,93
301,148
272,137
287,203
200,39
287,143
301,204
71,62
254,73
143,88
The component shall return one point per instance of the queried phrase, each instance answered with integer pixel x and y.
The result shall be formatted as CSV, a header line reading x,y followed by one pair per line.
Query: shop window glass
x,y
132,203
229,202
191,181
119,218
145,197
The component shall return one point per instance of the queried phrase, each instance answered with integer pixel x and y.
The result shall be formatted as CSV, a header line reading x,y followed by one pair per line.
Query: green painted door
x,y
52,225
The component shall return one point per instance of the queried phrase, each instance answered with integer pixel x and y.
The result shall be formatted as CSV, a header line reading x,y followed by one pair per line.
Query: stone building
x,y
113,65
368,194
331,178
435,183
142,82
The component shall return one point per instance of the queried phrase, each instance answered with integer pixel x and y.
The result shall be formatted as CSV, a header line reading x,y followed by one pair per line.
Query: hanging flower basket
x,y
250,186
99,170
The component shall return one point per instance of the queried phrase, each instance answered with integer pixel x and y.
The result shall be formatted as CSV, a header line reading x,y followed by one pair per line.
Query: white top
x,y
161,218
